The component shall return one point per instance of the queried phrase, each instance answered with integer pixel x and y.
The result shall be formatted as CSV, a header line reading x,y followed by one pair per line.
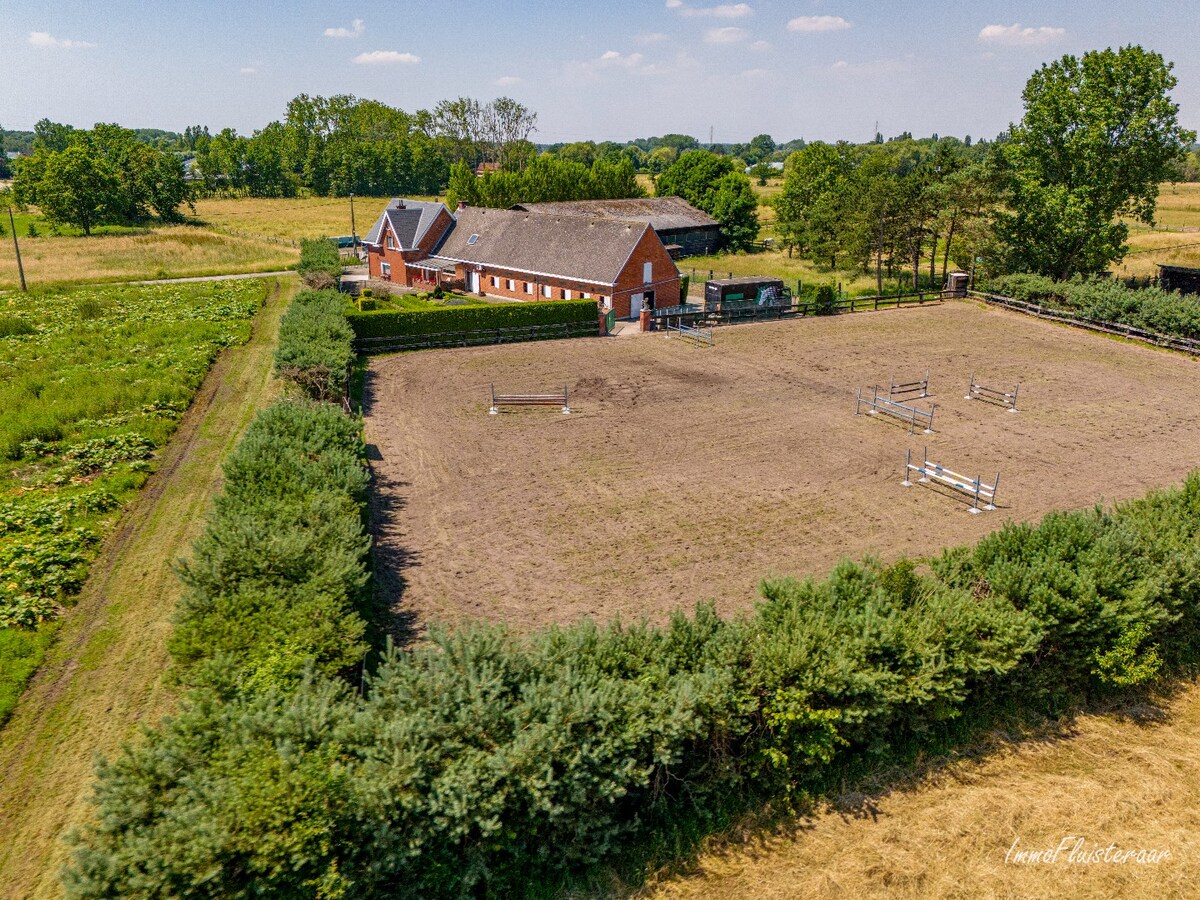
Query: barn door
x,y
473,282
635,306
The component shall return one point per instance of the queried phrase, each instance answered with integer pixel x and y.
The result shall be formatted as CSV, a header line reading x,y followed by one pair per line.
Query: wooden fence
x,y
1053,314
477,337
695,313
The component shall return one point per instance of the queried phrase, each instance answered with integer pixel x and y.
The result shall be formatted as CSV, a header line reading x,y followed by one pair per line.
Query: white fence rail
x,y
974,489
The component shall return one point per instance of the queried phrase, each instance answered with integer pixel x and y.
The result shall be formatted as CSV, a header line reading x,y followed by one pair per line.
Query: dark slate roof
x,y
409,219
663,213
584,248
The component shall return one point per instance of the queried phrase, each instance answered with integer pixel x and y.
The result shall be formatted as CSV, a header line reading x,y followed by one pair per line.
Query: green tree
x,y
1099,134
76,187
714,184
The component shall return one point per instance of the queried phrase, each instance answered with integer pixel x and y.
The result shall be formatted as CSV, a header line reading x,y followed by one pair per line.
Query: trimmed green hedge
x,y
484,763
472,318
277,582
316,345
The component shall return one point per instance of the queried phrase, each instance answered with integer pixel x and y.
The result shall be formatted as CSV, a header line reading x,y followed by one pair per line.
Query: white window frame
x,y
547,291
511,285
496,281
566,293
529,287
647,272
385,269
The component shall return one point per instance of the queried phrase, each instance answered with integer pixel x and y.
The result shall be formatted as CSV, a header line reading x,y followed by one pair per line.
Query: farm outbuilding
x,y
1179,278
517,255
683,229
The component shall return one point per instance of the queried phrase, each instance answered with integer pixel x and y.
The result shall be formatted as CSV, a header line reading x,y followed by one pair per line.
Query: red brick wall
x,y
665,277
376,256
517,292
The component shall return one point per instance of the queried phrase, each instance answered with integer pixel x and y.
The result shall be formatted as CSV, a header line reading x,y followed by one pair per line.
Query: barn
x,y
683,229
519,255
403,236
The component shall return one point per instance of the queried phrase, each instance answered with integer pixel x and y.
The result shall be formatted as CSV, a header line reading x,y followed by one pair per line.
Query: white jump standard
x,y
909,390
974,488
910,415
696,336
499,400
993,395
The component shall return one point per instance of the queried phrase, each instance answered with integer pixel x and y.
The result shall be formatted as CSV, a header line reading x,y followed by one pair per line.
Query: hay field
x,y
291,219
687,474
173,251
1125,778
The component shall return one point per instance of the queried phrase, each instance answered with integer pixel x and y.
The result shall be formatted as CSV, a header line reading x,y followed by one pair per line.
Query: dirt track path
x,y
103,676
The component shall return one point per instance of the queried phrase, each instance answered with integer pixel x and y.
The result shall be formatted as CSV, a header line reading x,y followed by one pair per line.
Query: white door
x,y
473,281
635,306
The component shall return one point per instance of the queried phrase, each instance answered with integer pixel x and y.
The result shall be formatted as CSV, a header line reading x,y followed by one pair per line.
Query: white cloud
x,y
507,81
841,64
46,39
727,35
387,58
613,59
247,70
810,24
357,27
760,46
1016,36
723,11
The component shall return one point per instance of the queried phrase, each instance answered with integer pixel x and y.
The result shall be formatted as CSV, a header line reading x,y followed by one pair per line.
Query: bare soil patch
x,y
686,474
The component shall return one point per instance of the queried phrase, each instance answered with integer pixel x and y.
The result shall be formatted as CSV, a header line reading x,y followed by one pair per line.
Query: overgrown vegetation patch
x,y
92,384
1107,300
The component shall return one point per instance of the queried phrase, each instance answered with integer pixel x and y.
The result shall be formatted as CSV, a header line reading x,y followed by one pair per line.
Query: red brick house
x,y
406,233
519,255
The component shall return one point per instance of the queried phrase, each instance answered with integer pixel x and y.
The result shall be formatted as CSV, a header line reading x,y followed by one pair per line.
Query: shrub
x,y
826,300
484,763
276,582
1106,300
316,346
472,318
319,255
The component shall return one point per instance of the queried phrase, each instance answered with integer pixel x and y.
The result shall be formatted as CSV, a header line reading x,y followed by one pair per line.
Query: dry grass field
x,y
174,251
686,474
291,219
1126,778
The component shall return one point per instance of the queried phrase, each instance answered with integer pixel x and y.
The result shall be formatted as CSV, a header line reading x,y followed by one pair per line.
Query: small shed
x,y
1179,278
740,293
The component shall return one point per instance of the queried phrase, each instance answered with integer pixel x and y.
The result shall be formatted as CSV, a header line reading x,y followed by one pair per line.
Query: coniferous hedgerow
x,y
490,764
315,349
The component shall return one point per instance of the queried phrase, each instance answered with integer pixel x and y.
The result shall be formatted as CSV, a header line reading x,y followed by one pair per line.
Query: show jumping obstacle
x,y
974,489
993,395
909,390
696,336
499,400
910,415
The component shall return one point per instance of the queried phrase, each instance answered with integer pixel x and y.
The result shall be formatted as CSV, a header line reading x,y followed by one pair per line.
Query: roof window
x,y
472,239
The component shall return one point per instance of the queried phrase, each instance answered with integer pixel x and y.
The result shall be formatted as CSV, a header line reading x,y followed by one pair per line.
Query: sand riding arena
x,y
683,473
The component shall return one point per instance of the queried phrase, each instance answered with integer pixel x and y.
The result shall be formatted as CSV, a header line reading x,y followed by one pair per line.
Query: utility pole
x,y
710,137
353,231
17,247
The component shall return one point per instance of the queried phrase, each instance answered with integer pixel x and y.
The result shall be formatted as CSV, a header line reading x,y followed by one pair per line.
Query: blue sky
x,y
818,69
